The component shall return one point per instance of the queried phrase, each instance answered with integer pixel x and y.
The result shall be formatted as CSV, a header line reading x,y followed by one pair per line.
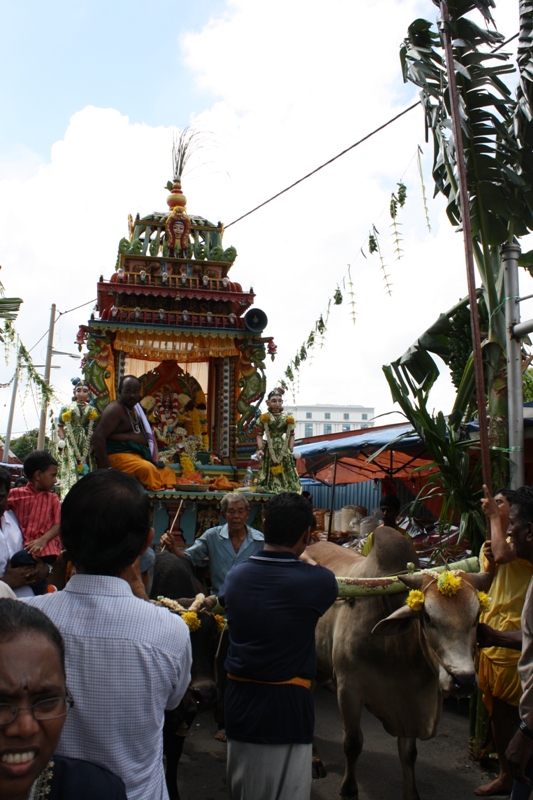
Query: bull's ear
x,y
481,581
413,581
399,621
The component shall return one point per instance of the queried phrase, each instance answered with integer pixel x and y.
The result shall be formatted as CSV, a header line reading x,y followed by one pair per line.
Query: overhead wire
x,y
347,150
326,163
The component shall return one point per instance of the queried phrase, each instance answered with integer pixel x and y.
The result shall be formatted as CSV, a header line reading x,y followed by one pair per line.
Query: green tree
x,y
497,133
23,445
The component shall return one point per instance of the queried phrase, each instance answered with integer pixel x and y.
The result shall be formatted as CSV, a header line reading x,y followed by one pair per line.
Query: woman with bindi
x,y
275,443
34,702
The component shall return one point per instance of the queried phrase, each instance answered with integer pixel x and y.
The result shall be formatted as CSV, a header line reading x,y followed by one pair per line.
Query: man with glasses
x,y
127,660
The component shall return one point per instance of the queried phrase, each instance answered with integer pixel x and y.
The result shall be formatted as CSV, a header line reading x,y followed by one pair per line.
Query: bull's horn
x,y
210,602
413,581
480,581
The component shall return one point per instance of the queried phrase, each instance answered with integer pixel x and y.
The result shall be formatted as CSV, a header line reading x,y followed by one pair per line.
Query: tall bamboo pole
x,y
467,240
510,253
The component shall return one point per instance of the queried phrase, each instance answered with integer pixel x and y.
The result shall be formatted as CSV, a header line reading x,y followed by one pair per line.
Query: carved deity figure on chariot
x,y
178,417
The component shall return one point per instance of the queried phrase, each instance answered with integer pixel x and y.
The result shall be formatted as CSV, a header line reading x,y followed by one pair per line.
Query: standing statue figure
x,y
76,424
277,471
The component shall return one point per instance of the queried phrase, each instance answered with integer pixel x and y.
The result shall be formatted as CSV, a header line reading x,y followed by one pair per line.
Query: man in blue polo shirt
x,y
273,602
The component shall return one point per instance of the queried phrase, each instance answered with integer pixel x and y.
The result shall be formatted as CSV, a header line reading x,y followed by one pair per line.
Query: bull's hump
x,y
391,552
340,560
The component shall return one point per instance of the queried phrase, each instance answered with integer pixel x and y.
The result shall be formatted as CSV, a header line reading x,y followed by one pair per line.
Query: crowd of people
x,y
87,673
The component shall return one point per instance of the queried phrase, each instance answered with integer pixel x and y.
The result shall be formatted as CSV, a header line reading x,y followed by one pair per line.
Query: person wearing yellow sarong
x,y
497,672
123,439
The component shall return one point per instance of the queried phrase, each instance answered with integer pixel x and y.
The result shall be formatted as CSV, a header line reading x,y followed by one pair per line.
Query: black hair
x,y
507,493
17,618
105,519
522,500
125,378
5,478
275,393
287,517
390,501
38,460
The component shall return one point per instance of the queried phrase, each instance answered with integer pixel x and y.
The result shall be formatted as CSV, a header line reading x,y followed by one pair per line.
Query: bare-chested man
x,y
122,439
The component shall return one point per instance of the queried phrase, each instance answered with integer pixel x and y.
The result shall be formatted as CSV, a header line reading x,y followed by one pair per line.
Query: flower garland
x,y
221,622
415,599
186,464
276,468
190,618
448,584
484,601
73,413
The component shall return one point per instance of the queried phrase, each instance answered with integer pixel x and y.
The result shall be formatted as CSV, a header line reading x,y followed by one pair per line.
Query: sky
x,y
94,94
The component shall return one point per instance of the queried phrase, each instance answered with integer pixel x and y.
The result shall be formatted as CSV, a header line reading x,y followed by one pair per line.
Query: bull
x,y
174,578
395,661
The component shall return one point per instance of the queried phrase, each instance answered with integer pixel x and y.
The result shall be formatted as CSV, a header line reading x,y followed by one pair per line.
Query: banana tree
x,y
497,134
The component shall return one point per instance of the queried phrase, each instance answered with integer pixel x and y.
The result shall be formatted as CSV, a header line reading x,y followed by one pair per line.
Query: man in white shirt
x,y
19,579
127,660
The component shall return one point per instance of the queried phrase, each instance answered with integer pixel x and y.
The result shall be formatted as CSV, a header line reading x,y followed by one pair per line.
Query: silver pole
x,y
47,367
515,393
7,441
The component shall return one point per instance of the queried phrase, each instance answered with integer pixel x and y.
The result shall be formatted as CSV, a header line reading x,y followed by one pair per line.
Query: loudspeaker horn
x,y
255,320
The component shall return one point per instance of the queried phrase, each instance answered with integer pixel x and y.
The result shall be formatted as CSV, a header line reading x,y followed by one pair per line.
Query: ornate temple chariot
x,y
171,315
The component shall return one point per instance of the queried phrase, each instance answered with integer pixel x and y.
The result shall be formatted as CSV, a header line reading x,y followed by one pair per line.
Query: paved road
x,y
443,769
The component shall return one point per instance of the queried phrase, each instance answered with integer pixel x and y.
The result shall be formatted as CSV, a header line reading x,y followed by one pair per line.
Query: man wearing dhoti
x,y
123,439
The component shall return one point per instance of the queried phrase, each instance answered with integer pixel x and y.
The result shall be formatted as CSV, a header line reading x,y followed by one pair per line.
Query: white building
x,y
323,419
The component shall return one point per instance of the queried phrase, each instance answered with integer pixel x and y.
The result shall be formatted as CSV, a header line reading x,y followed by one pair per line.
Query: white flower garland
x,y
89,413
285,446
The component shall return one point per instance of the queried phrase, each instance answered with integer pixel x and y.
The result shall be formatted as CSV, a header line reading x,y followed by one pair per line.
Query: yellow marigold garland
x,y
449,583
415,599
190,618
93,414
196,425
276,470
290,420
66,416
221,622
264,418
484,601
187,466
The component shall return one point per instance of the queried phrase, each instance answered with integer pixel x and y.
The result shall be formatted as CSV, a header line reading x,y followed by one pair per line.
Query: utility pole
x,y
47,368
7,440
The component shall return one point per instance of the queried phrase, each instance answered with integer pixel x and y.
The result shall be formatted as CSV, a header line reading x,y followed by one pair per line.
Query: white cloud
x,y
295,84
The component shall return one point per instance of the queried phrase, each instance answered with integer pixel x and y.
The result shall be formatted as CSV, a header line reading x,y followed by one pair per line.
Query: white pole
x,y
47,368
515,392
7,441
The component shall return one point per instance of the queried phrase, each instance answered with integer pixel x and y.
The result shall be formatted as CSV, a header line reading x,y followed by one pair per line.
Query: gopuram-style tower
x,y
171,315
